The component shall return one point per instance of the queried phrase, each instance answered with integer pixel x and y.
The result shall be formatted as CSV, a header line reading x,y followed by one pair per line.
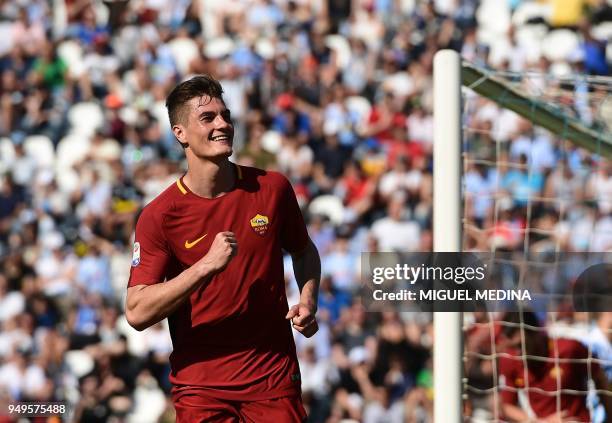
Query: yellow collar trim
x,y
181,187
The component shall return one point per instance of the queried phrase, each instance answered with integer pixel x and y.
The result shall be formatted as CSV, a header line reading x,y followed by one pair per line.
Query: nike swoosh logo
x,y
189,245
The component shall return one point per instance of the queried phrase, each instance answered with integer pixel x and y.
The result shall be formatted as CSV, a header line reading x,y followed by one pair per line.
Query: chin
x,y
218,154
225,153
229,149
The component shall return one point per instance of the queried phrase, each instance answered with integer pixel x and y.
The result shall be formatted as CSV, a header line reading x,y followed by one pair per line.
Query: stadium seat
x,y
271,141
493,19
129,115
265,48
341,47
7,154
72,53
530,11
72,149
400,84
79,362
85,118
184,51
529,37
67,179
560,44
602,31
359,106
330,206
218,47
149,404
40,147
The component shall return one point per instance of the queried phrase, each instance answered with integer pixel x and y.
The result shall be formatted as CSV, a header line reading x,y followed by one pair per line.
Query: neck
x,y
210,179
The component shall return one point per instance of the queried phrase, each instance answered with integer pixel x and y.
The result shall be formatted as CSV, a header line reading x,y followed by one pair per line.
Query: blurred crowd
x,y
337,95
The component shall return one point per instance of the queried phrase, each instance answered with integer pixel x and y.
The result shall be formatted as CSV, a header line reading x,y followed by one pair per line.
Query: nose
x,y
220,122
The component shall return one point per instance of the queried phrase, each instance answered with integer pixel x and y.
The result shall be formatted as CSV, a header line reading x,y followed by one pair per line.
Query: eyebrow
x,y
210,112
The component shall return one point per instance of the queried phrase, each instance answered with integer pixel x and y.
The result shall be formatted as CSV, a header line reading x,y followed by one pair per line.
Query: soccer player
x,y
556,374
208,256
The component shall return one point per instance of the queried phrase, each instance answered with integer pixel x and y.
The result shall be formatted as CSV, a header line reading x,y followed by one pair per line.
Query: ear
x,y
179,133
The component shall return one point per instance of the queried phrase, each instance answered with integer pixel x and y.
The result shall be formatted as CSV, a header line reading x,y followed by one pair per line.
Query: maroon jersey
x,y
550,379
231,337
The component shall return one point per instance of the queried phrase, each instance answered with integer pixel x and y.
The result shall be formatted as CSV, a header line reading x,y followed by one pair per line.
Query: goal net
x,y
536,185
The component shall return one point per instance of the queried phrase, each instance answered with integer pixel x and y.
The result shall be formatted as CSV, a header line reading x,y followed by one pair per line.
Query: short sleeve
x,y
150,254
294,235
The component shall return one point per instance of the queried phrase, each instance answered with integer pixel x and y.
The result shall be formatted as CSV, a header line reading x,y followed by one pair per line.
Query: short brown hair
x,y
195,87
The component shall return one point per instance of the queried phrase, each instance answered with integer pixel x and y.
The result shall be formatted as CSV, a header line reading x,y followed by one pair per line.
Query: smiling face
x,y
206,129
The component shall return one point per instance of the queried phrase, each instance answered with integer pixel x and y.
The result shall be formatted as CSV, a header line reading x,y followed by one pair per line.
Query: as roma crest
x,y
260,224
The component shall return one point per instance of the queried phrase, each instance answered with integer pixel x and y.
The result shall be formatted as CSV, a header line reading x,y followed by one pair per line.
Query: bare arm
x,y
149,304
307,269
514,414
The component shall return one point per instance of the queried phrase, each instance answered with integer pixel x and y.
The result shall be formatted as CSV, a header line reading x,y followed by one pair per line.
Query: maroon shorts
x,y
197,408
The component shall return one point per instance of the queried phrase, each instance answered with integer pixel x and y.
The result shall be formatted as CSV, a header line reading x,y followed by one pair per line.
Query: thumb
x,y
293,311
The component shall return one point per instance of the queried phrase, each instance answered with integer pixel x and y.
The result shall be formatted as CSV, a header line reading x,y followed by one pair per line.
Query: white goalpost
x,y
555,110
447,348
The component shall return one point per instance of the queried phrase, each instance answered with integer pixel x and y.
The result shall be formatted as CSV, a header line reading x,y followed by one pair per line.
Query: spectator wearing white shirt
x,y
24,381
402,177
394,232
11,302
600,188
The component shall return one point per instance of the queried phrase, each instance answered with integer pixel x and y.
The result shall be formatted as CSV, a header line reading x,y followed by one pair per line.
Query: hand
x,y
223,248
303,319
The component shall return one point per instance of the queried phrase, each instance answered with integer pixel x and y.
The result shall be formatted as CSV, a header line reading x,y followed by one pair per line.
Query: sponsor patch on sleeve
x,y
136,254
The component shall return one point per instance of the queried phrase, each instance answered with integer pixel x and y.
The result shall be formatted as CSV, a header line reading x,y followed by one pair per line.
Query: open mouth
x,y
221,138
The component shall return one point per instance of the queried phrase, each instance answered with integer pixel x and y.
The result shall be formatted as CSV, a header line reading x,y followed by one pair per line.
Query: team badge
x,y
260,224
136,254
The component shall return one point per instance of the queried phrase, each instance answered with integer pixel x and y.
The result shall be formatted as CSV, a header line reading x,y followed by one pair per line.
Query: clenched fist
x,y
303,319
223,248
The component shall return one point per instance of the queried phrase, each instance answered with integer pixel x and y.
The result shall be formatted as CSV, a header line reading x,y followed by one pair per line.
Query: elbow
x,y
135,314
134,321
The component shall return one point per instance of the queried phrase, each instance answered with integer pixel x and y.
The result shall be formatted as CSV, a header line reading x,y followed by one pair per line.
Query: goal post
x,y
452,77
447,348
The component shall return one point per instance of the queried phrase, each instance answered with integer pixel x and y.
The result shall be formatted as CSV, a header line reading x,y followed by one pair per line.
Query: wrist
x,y
202,270
310,304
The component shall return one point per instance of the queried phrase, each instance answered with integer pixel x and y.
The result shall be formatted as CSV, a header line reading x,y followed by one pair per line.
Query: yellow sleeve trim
x,y
181,187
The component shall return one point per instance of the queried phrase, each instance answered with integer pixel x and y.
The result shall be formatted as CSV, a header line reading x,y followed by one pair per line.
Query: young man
x,y
555,378
208,256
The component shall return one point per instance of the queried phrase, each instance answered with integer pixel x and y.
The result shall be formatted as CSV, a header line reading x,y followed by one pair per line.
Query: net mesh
x,y
529,191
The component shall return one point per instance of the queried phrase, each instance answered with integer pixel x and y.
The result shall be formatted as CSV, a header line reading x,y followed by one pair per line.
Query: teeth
x,y
220,138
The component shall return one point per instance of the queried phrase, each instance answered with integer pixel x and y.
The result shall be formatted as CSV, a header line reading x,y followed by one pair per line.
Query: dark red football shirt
x,y
231,337
549,378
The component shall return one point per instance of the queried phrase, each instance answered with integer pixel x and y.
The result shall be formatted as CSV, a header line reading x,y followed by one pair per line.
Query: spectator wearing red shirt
x,y
356,189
